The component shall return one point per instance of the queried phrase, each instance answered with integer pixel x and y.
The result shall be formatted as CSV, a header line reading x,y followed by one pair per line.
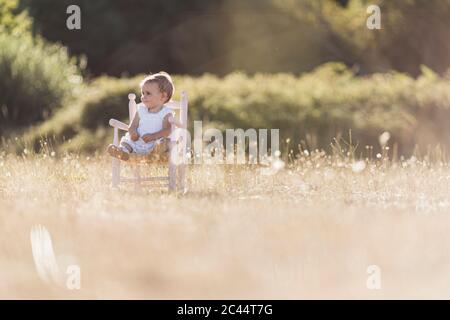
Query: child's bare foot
x,y
118,153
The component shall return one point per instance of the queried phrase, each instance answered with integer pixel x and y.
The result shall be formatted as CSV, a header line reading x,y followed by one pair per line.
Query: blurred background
x,y
311,68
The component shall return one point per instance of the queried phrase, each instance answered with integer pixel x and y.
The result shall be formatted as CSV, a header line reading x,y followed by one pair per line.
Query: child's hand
x,y
147,137
134,136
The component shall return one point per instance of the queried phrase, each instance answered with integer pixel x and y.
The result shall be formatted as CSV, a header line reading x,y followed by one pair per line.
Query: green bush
x,y
310,110
109,101
12,19
36,78
88,115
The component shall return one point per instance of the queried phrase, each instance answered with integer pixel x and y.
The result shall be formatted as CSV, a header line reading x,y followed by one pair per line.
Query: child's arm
x,y
164,132
132,129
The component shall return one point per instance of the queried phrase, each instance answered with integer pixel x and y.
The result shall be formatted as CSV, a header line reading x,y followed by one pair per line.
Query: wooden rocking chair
x,y
177,145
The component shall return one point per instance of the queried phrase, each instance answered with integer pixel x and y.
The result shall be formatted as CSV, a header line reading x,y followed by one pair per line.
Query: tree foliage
x,y
220,36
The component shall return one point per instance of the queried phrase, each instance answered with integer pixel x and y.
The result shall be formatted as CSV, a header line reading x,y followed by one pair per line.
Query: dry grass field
x,y
310,230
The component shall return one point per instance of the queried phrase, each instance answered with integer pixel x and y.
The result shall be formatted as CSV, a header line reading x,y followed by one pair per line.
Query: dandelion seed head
x,y
358,166
384,138
378,155
278,164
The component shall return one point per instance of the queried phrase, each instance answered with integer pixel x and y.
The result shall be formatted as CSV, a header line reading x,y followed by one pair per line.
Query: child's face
x,y
151,96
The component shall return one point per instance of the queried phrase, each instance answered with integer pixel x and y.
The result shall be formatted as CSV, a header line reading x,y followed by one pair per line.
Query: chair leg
x,y
181,168
137,173
182,178
172,176
115,162
172,165
115,172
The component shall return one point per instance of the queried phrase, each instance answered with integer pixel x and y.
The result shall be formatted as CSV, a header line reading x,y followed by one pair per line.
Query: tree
x,y
414,32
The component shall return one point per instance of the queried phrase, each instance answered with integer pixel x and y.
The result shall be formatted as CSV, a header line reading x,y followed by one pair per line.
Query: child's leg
x,y
123,151
126,144
117,152
126,147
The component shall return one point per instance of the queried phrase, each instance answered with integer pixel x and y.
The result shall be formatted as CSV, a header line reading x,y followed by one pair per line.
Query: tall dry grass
x,y
309,230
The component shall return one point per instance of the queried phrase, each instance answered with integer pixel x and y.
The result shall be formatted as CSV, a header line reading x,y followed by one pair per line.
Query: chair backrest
x,y
178,106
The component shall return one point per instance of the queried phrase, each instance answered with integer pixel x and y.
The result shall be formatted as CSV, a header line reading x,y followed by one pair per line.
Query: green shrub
x,y
110,100
310,110
14,20
36,79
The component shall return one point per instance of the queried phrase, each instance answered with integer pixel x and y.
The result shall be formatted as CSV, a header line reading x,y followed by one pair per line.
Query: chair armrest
x,y
118,124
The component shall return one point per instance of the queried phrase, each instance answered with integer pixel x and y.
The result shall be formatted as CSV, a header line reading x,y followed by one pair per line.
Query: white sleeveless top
x,y
151,122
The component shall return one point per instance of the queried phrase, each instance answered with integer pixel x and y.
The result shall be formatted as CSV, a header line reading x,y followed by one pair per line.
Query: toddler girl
x,y
150,125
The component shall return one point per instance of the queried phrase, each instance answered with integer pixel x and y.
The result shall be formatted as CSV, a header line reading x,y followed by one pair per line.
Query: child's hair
x,y
164,82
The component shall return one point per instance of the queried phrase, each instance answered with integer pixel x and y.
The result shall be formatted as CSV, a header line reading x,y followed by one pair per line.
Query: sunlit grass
x,y
308,229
